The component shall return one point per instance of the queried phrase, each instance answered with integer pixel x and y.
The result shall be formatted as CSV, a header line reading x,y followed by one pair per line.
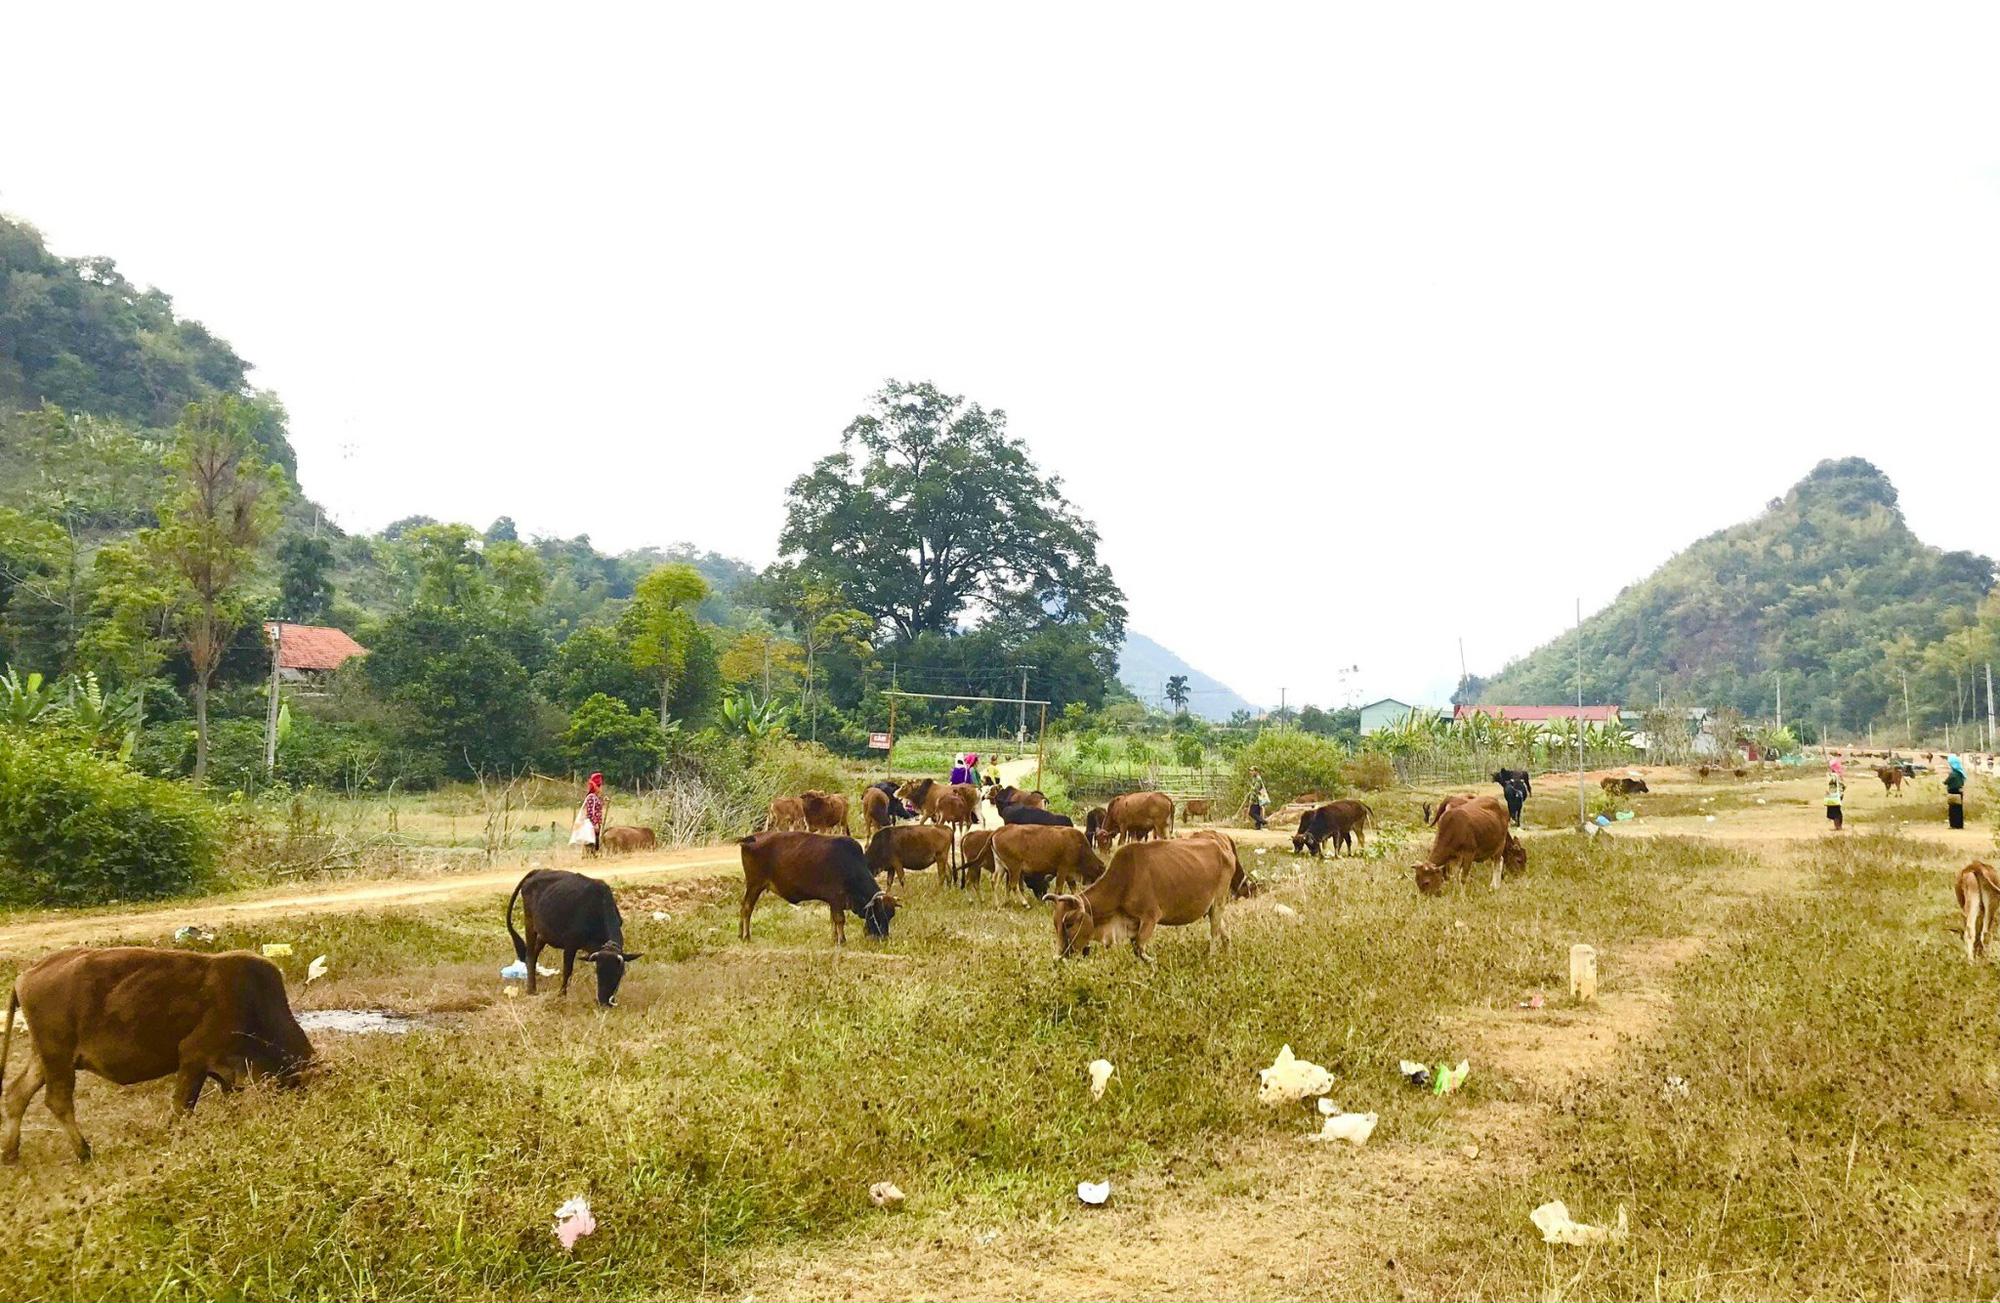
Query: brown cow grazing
x,y
1471,832
910,846
1003,799
1148,884
1623,784
572,913
787,814
1892,779
132,1014
625,839
1136,816
1023,851
975,854
803,866
1194,808
1341,824
1978,890
825,812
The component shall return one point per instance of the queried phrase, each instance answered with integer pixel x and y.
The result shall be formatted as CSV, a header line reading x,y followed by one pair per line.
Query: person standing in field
x,y
1954,792
1836,793
1260,796
972,769
594,810
958,770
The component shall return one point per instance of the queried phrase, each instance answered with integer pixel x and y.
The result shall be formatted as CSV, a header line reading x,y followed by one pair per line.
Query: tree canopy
x,y
930,512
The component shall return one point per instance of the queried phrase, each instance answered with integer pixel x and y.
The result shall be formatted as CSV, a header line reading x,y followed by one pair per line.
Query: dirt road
x,y
38,931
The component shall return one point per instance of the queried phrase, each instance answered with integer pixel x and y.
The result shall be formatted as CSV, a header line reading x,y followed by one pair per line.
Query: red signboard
x,y
878,741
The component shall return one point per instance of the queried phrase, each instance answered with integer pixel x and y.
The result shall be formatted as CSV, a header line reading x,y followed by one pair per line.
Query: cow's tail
x,y
520,942
7,1037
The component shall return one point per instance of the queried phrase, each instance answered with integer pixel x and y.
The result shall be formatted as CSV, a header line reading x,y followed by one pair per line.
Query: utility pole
x,y
1992,727
271,708
1021,732
1582,805
1909,728
1281,709
1779,675
1462,675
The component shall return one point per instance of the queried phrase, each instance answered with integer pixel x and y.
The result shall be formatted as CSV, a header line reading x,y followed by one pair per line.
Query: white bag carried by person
x,y
584,833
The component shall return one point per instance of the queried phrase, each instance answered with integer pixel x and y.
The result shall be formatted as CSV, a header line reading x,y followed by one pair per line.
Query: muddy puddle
x,y
360,1022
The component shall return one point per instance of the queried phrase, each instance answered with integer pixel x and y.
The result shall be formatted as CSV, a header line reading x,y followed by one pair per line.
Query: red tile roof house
x,y
309,652
1539,714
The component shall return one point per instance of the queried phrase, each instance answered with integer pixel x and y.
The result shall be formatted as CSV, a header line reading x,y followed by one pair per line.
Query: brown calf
x,y
1471,832
1978,890
825,812
1892,779
625,839
132,1014
787,814
910,846
1148,884
1194,808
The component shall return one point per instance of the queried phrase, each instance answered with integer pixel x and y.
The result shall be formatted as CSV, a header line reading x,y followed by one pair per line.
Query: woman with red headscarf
x,y
593,811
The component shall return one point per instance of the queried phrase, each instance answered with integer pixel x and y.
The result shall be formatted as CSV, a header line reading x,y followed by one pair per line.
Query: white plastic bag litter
x,y
1289,1079
1100,1072
1354,1128
1552,1219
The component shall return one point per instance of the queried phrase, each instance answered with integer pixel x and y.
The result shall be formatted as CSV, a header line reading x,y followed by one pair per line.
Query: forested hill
x,y
74,332
1828,585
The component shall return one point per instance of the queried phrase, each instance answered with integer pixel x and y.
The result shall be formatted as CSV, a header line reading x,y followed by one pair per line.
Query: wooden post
x,y
271,708
1041,734
889,756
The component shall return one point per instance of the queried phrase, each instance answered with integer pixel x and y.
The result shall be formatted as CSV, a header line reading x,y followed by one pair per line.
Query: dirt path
x,y
42,931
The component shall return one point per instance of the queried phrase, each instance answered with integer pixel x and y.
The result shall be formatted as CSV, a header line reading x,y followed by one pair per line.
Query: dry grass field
x,y
1837,1136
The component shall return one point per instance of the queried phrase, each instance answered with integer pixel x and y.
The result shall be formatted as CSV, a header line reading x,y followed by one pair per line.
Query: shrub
x,y
82,829
1293,763
1187,750
604,733
1371,771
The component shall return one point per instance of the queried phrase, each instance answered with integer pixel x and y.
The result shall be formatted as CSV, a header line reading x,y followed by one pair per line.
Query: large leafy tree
x,y
305,583
461,680
221,505
930,512
660,626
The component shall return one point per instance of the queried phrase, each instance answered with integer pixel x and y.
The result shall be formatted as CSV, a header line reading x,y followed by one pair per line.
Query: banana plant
x,y
25,701
754,718
109,717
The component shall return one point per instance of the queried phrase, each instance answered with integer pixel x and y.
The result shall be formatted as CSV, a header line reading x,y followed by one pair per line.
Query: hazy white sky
x,y
1343,322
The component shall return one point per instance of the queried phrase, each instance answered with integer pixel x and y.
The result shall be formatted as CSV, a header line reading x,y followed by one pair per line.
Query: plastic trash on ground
x,y
1354,1128
1100,1073
1601,821
884,1194
1674,1088
1623,815
1448,1079
1534,1001
1289,1079
1552,1219
1418,1074
515,972
315,970
1093,1193
573,1222
192,935
660,916
1284,911
277,949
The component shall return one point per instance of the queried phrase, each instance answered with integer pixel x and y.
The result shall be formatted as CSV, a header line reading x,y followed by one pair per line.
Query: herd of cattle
x,y
132,1014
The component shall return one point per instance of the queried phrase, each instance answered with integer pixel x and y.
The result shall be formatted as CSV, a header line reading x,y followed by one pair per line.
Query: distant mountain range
x,y
1144,667
1828,587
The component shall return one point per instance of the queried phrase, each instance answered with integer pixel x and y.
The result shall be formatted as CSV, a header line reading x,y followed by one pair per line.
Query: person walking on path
x,y
1836,793
1954,792
972,769
593,812
958,770
1260,796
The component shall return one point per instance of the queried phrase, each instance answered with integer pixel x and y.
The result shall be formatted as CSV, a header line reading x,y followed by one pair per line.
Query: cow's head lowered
x,y
1075,928
875,915
610,962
